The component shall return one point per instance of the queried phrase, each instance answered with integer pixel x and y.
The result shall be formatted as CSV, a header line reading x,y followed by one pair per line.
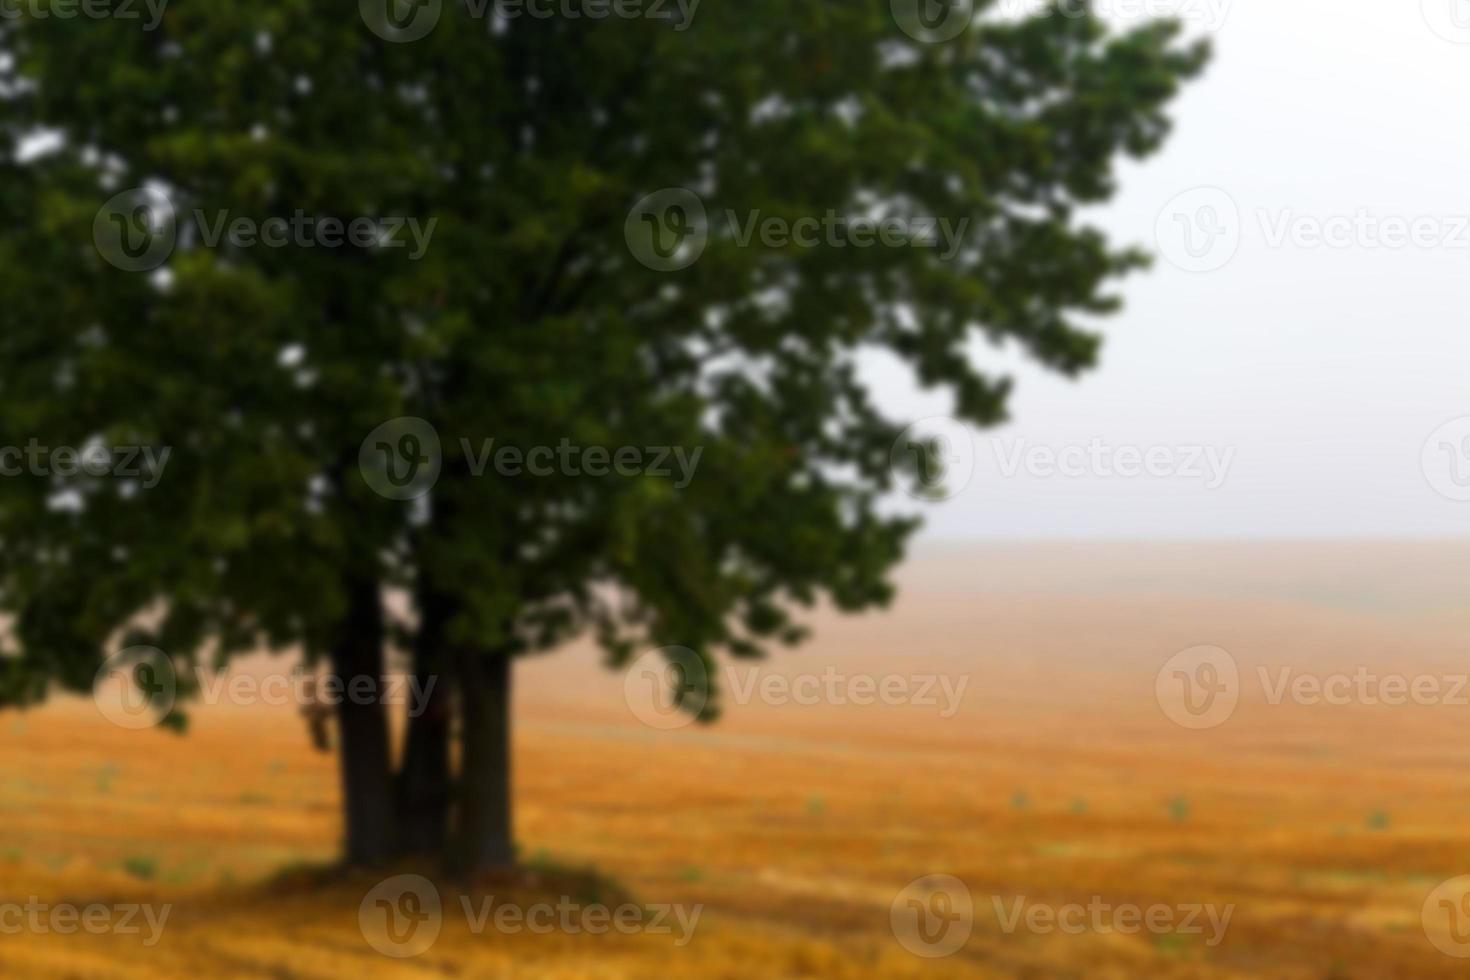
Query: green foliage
x,y
142,868
105,777
528,319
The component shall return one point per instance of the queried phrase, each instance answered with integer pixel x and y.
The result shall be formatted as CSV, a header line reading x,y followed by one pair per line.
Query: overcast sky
x,y
1316,349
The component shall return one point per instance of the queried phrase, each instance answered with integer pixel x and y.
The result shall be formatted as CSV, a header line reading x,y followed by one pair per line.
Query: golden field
x,y
1058,780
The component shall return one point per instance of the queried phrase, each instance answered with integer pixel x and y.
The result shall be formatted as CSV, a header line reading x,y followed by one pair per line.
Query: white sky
x,y
1326,369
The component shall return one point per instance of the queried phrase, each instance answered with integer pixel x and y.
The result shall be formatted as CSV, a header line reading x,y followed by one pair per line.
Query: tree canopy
x,y
543,301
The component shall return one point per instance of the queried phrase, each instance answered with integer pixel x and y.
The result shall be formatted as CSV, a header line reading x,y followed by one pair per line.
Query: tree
x,y
636,232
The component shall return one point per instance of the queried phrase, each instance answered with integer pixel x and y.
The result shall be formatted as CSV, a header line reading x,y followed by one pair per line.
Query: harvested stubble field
x,y
1058,780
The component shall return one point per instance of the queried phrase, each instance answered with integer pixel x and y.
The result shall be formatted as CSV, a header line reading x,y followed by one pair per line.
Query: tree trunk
x,y
423,779
367,799
483,839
